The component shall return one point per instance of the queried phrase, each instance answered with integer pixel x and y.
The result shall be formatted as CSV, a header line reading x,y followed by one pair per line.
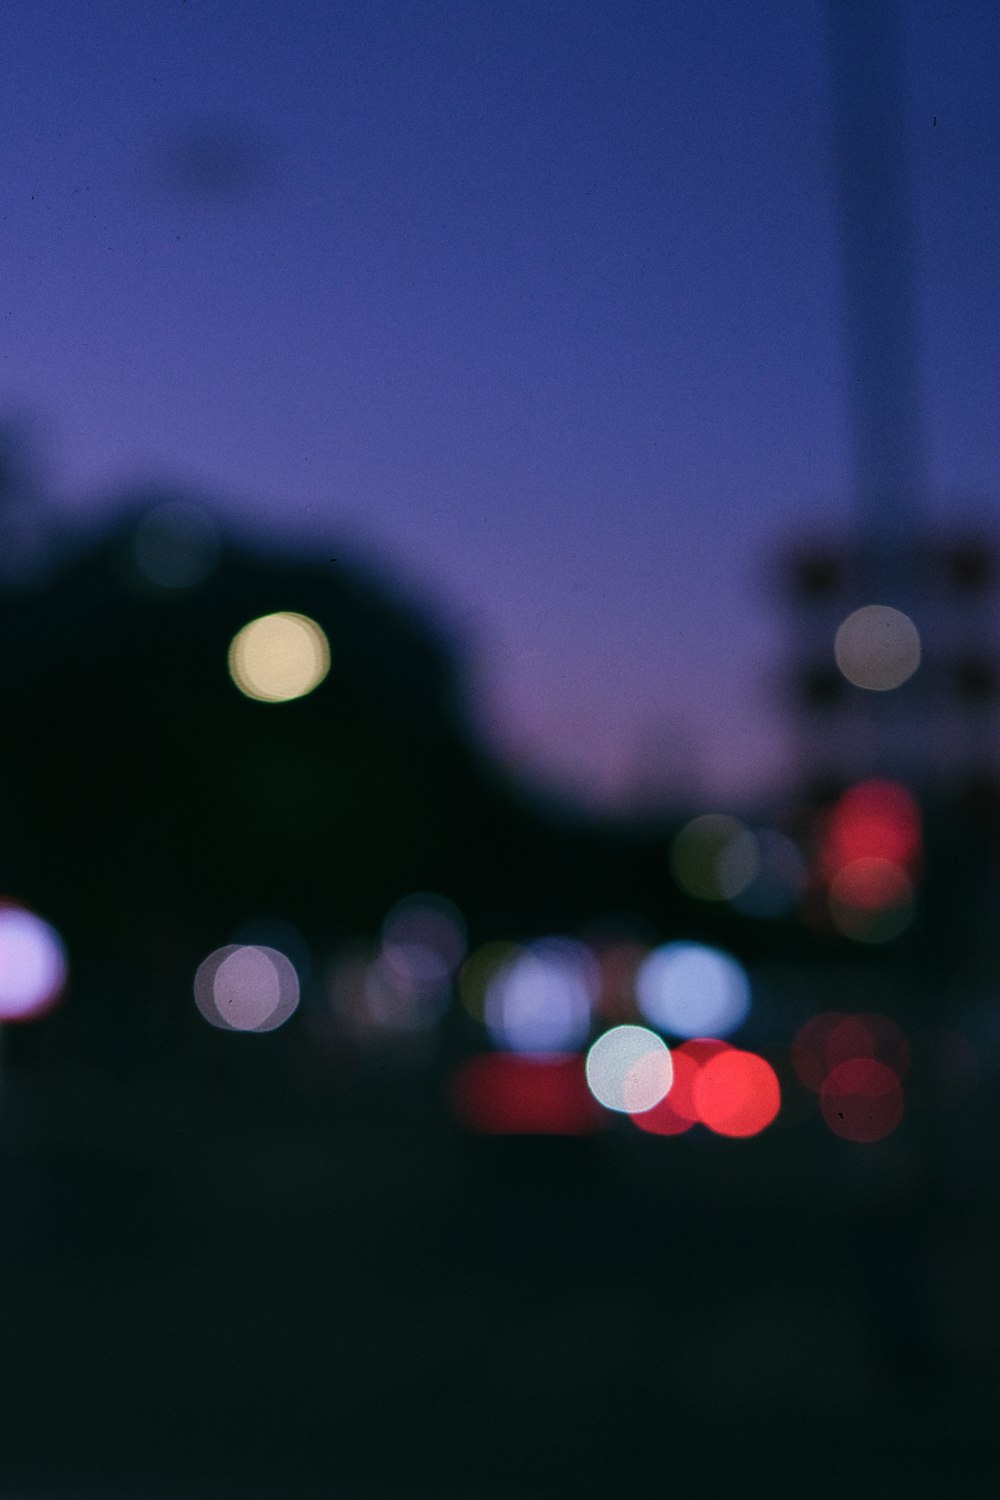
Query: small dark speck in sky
x,y
215,161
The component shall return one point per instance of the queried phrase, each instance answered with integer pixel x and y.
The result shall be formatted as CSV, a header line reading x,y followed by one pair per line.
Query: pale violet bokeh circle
x,y
32,964
540,1001
691,990
424,939
246,987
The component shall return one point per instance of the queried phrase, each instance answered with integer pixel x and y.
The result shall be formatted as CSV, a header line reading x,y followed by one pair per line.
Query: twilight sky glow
x,y
536,299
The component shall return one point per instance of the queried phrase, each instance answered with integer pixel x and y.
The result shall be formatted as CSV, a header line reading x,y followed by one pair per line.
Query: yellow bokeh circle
x,y
279,657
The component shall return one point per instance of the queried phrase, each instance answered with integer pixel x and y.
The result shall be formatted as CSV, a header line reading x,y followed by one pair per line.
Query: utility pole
x,y
881,345
873,201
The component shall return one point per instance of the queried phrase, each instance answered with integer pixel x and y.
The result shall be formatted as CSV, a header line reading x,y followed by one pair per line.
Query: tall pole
x,y
884,405
880,329
879,317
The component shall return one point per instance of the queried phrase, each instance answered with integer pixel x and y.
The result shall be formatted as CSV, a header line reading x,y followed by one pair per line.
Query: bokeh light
x,y
672,1115
736,1093
780,879
276,932
424,940
871,900
714,857
871,1035
834,1037
690,990
499,1093
862,1100
279,657
877,648
246,988
394,1001
33,968
808,1052
175,545
676,1112
376,1004
629,1069
697,1051
540,1000
873,820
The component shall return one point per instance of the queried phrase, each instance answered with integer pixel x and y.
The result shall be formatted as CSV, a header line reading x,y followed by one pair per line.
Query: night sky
x,y
536,301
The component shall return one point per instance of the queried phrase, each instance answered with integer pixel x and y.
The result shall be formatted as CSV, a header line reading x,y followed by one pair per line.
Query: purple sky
x,y
537,300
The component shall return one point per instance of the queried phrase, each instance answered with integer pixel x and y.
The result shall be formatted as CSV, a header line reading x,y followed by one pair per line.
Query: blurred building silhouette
x,y
936,726
939,728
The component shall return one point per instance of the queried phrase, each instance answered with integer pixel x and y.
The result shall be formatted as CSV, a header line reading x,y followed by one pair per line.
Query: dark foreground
x,y
240,1299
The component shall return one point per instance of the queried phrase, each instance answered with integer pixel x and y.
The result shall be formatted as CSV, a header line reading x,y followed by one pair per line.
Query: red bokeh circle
x,y
737,1093
862,1100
